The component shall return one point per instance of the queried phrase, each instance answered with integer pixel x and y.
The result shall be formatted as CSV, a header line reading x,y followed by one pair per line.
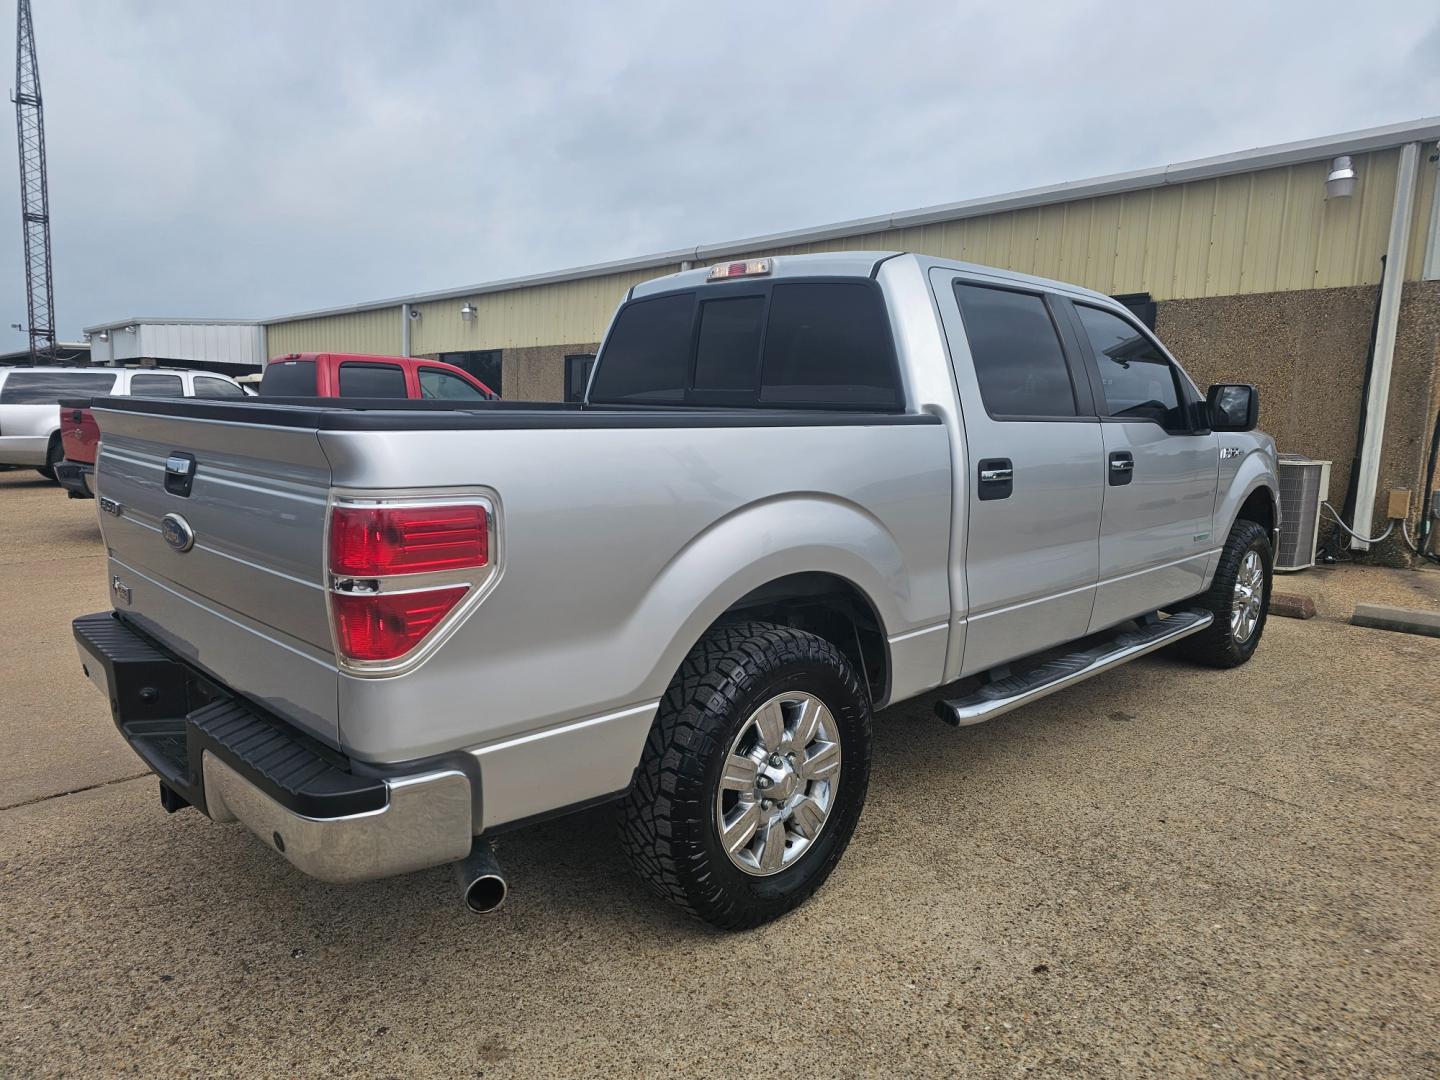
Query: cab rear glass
x,y
289,378
798,343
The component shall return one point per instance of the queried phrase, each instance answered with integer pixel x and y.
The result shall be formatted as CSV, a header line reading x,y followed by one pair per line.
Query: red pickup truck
x,y
80,435
296,375
360,376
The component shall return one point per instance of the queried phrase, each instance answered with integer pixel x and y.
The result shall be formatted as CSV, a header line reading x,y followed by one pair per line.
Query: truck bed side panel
x,y
621,546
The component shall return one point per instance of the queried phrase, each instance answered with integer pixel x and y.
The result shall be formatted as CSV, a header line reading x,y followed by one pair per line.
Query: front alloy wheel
x,y
1248,597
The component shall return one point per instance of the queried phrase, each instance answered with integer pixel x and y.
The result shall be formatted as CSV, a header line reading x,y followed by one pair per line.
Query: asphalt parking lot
x,y
1166,871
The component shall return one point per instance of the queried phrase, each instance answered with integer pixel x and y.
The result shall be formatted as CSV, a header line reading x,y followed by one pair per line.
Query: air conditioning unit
x,y
1304,485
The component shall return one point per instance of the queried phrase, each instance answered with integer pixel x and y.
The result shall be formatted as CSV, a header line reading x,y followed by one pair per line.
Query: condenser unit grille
x,y
1304,485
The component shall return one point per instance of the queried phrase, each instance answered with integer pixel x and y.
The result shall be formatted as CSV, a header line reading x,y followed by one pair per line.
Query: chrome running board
x,y
1010,692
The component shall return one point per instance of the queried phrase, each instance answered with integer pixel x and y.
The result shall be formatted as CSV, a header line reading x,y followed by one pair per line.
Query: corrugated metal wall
x,y
1265,231
375,331
560,314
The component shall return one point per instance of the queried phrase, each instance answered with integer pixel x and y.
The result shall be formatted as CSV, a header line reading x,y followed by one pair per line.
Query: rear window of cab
x,y
776,344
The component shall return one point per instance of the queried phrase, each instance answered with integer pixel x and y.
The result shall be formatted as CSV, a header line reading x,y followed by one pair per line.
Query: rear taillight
x,y
385,626
397,570
373,541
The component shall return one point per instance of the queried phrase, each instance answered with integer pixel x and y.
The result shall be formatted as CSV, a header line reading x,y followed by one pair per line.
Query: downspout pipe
x,y
404,329
1392,280
1431,269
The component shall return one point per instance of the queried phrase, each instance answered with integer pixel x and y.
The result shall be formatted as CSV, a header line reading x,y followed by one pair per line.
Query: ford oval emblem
x,y
177,532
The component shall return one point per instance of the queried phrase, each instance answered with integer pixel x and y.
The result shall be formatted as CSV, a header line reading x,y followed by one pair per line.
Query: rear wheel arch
x,y
830,607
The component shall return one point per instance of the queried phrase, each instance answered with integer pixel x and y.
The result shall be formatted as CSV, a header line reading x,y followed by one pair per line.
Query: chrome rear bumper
x,y
424,822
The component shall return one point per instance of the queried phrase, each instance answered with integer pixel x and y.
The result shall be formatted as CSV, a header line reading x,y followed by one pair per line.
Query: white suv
x,y
30,418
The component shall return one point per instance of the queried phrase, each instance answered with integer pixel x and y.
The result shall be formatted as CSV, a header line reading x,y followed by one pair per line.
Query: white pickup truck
x,y
799,490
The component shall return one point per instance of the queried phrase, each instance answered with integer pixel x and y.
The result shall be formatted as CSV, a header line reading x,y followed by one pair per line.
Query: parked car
x,y
80,435
358,375
29,396
800,490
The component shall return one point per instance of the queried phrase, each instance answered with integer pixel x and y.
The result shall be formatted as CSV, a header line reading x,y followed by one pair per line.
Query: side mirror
x,y
1233,407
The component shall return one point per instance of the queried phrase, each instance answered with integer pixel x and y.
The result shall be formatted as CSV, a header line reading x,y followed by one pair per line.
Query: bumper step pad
x,y
171,714
1010,692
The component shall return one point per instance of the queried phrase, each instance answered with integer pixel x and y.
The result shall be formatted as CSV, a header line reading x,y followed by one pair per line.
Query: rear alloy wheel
x,y
779,783
753,775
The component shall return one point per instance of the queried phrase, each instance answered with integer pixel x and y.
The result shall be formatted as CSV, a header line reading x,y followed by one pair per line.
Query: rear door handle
x,y
997,479
1122,467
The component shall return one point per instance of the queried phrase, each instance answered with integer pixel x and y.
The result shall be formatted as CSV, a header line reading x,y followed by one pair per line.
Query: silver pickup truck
x,y
799,490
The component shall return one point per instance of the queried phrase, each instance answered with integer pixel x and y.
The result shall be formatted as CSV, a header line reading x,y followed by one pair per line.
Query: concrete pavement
x,y
1166,871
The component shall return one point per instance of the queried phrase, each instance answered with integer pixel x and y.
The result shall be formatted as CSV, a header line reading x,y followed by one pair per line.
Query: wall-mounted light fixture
x,y
17,326
104,335
1340,183
468,312
130,329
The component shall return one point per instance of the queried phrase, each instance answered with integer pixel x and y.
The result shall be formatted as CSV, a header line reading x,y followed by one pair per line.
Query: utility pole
x,y
34,188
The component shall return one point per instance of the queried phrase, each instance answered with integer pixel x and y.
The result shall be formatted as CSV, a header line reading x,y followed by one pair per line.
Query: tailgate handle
x,y
179,474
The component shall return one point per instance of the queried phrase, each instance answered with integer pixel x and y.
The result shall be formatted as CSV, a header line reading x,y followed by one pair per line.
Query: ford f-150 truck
x,y
798,490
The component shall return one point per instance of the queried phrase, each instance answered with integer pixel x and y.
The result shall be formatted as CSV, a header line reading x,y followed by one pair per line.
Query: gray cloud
x,y
260,158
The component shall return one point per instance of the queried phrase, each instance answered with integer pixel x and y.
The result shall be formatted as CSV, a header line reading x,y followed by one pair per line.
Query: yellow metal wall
x,y
1267,231
560,314
375,331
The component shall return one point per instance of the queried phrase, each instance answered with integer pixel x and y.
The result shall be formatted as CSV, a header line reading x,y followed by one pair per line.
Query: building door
x,y
577,375
1160,472
484,364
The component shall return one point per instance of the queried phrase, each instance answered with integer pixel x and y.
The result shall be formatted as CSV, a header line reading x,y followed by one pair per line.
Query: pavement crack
x,y
74,791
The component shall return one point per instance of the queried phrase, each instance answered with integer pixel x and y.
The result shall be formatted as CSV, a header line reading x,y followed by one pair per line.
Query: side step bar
x,y
1002,695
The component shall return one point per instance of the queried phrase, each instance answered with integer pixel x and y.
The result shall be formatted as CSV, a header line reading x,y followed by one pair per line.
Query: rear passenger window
x,y
48,387
828,343
1139,381
156,386
1016,352
206,387
372,381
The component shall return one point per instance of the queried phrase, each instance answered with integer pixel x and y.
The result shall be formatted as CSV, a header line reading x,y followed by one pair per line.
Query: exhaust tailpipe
x,y
481,881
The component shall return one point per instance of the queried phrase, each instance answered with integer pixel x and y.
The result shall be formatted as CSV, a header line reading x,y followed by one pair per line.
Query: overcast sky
x,y
253,159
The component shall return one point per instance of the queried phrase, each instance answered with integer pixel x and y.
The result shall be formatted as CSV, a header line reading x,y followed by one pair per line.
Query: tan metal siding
x,y
1267,231
570,311
375,331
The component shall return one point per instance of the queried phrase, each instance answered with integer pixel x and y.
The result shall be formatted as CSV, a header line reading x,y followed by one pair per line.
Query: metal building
x,y
1270,265
230,346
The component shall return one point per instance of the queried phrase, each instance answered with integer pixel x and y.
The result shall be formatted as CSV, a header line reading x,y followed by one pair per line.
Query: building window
x,y
577,375
484,364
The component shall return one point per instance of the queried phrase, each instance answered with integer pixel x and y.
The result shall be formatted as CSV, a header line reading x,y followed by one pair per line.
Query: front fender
x,y
1240,477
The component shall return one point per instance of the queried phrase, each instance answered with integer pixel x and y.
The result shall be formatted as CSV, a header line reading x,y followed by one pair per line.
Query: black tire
x,y
667,822
54,454
1215,646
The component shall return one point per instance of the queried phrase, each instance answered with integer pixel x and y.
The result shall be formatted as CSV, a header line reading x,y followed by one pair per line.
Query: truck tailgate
x,y
245,600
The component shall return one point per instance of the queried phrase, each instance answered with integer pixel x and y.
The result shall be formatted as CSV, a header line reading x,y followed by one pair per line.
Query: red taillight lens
x,y
385,626
374,541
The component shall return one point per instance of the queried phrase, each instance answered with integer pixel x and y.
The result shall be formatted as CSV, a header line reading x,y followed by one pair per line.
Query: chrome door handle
x,y
996,476
1122,465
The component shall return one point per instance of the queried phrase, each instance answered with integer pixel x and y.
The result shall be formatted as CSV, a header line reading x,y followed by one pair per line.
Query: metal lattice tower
x,y
34,193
